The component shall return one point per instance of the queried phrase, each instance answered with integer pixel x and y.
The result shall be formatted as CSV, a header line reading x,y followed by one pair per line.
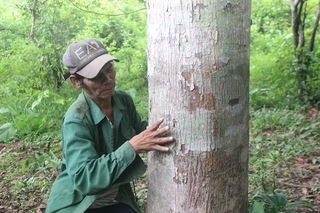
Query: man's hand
x,y
151,139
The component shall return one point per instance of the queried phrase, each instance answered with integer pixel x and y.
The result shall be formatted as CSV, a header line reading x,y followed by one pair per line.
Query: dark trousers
x,y
116,208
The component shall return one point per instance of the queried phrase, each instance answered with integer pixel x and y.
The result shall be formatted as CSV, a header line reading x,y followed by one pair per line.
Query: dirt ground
x,y
303,180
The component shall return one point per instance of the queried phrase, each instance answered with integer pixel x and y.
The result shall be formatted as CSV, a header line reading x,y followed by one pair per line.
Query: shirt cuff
x,y
125,153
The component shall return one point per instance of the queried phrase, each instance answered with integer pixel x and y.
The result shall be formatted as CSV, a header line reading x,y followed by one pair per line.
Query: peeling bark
x,y
198,73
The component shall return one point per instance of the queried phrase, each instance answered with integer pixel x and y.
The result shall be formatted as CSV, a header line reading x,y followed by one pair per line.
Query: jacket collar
x,y
98,115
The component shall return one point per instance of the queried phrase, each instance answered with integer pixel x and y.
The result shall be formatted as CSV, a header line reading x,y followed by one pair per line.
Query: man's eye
x,y
110,69
99,76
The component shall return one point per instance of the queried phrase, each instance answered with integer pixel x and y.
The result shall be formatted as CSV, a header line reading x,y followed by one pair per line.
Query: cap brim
x,y
93,68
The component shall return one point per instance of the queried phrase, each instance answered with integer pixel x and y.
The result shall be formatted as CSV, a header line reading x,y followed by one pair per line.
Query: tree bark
x,y
198,74
314,30
297,23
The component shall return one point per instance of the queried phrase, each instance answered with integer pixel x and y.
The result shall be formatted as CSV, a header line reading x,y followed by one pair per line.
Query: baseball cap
x,y
86,58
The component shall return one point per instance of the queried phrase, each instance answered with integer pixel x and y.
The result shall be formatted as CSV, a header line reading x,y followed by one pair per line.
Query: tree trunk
x,y
198,73
297,16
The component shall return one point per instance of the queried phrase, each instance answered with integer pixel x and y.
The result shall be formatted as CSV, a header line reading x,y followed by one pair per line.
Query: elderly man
x,y
102,135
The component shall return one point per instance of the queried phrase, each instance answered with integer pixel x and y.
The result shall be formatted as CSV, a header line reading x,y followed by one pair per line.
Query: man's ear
x,y
75,81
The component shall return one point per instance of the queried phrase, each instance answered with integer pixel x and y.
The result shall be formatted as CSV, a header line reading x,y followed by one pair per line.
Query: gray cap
x,y
86,58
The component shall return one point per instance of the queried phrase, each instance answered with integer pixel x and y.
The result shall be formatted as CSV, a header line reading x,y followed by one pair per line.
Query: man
x,y
102,135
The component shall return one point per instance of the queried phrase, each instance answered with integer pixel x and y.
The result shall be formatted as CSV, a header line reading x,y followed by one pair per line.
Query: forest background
x,y
284,94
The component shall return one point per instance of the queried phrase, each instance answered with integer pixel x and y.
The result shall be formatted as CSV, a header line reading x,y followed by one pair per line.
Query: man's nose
x,y
108,77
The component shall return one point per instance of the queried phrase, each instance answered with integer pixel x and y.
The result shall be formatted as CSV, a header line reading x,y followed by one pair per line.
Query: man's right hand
x,y
151,139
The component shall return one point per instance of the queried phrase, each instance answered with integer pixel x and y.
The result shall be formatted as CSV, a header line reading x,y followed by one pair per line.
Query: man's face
x,y
102,86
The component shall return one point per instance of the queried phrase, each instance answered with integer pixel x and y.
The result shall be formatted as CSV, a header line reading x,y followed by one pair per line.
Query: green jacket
x,y
90,166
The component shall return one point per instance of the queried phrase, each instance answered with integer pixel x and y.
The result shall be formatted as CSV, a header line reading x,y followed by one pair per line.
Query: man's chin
x,y
108,93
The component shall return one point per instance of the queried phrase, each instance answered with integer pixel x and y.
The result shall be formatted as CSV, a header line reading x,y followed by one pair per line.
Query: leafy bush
x,y
275,74
276,203
36,114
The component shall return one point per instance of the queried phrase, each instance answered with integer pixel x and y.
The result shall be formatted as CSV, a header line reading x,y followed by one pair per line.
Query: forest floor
x,y
303,180
301,183
26,177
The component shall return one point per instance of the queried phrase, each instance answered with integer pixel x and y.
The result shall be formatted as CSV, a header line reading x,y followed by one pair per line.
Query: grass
x,y
27,169
277,136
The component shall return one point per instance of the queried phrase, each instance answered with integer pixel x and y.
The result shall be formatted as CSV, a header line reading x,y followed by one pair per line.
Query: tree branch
x,y
33,22
297,25
103,14
314,30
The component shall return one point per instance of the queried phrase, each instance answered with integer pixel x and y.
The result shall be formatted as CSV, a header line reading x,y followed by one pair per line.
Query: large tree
x,y
198,73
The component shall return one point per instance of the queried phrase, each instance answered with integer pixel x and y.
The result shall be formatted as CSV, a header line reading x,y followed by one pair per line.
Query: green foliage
x,y
276,203
275,79
271,81
268,19
32,114
7,132
308,76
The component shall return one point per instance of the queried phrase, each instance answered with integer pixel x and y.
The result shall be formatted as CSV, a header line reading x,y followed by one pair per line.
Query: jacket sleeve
x,y
90,173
